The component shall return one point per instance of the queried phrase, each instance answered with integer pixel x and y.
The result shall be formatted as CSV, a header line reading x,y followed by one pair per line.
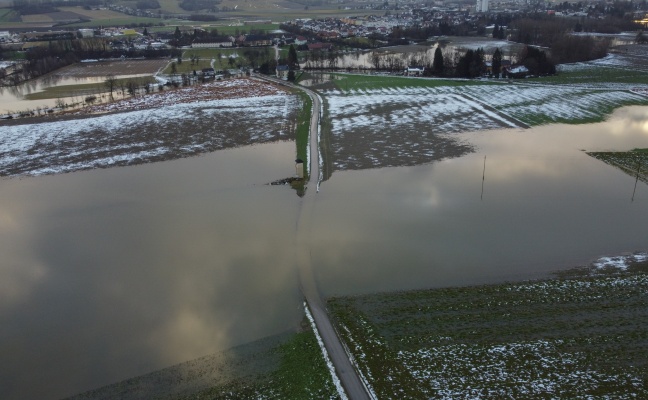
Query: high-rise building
x,y
482,6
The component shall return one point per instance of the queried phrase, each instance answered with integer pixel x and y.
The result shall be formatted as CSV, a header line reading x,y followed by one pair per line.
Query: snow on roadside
x,y
329,364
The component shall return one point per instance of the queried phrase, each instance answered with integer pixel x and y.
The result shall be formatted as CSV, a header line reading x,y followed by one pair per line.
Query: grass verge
x,y
301,374
302,133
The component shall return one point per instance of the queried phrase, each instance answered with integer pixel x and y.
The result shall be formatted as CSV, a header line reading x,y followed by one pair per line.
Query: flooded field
x,y
110,274
418,54
157,127
16,98
115,273
581,335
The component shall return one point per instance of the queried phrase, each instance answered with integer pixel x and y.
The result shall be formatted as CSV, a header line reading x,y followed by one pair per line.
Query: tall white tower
x,y
481,6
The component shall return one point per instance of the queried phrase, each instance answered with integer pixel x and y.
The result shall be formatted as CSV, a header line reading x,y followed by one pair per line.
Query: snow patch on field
x,y
171,131
620,262
468,371
217,90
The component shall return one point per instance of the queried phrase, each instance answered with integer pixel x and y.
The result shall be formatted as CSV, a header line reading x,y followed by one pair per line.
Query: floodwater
x,y
13,98
419,54
114,273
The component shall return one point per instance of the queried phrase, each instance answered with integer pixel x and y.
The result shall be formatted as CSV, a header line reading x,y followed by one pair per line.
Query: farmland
x,y
209,116
366,113
579,335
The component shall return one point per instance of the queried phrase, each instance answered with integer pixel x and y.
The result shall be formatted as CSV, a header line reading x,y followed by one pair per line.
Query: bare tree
x,y
111,84
131,87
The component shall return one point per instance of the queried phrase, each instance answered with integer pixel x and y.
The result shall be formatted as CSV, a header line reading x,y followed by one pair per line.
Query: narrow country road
x,y
347,374
351,382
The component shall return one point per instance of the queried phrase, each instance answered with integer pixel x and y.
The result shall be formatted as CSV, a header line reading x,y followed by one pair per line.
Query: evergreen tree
x,y
145,33
471,65
497,63
177,34
477,64
292,57
496,31
537,62
437,64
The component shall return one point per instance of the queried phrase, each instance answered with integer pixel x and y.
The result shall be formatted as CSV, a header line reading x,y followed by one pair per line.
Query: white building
x,y
86,33
482,6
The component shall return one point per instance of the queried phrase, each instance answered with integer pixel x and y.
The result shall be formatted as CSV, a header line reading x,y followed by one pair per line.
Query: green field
x,y
578,336
187,67
596,75
232,30
346,82
303,129
8,15
123,21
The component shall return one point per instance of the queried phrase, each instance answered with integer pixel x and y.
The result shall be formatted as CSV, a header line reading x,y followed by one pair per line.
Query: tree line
x,y
57,54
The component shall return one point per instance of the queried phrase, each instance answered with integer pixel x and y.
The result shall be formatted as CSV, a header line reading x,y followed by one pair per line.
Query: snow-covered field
x,y
411,125
175,128
403,126
534,369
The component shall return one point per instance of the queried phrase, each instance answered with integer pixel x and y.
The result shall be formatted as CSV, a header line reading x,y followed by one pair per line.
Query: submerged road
x,y
344,369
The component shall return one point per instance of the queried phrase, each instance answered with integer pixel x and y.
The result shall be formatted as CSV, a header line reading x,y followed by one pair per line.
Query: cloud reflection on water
x,y
146,267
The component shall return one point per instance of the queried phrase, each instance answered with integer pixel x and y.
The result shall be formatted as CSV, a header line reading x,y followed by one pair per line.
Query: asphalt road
x,y
353,386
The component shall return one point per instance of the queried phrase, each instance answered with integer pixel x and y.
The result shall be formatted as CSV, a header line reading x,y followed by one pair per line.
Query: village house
x,y
414,71
319,46
282,72
300,41
221,41
257,40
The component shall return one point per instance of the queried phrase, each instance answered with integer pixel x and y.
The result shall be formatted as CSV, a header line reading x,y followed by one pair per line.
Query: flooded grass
x,y
55,92
301,374
579,335
633,163
287,366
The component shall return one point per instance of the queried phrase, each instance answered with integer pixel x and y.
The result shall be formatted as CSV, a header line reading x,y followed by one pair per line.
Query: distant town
x,y
567,31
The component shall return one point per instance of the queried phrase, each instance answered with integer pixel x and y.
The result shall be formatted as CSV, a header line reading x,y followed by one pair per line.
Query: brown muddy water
x,y
14,99
110,274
